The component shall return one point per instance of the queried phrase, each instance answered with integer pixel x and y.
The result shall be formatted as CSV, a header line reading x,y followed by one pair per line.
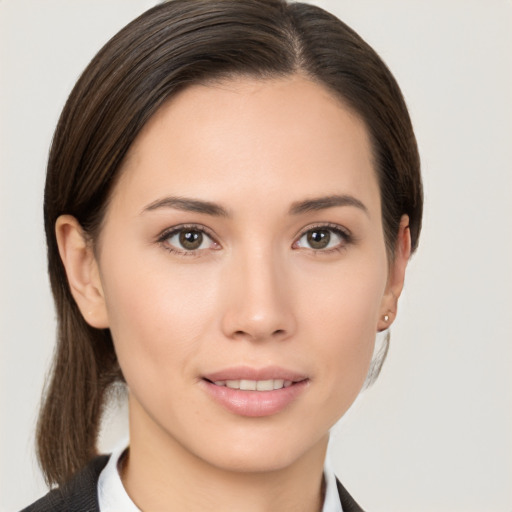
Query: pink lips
x,y
255,403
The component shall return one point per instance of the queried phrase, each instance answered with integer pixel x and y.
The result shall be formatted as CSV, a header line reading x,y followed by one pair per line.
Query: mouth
x,y
254,385
255,392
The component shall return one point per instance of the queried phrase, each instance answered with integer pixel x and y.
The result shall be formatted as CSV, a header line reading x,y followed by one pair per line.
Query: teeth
x,y
248,385
278,383
255,385
265,385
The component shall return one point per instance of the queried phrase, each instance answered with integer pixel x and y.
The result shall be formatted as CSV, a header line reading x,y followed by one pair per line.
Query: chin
x,y
253,461
252,452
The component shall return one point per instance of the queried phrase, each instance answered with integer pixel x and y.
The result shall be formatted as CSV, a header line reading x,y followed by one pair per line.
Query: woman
x,y
232,197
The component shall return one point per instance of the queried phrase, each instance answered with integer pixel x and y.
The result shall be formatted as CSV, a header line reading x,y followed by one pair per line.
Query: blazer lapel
x,y
347,502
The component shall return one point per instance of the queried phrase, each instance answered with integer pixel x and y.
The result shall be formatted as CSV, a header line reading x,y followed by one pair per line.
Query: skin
x,y
255,293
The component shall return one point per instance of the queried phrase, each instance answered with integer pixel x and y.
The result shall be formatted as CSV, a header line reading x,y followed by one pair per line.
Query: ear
x,y
82,271
396,275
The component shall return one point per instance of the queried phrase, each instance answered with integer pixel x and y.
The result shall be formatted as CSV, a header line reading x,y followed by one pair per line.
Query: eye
x,y
323,238
187,239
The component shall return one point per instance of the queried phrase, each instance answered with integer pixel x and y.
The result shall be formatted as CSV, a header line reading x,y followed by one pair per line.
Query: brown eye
x,y
323,238
190,240
318,238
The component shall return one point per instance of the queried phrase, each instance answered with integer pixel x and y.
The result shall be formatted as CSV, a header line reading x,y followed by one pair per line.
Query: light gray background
x,y
435,432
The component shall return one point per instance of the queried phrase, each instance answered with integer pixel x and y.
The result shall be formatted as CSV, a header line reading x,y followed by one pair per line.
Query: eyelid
x,y
168,232
325,225
342,231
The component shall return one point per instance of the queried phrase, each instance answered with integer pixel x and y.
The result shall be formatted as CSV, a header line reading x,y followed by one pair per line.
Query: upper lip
x,y
250,373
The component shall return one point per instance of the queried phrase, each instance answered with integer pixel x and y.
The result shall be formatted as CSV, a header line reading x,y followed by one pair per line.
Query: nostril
x,y
242,334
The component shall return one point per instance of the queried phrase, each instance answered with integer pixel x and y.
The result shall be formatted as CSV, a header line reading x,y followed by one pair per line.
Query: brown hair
x,y
170,46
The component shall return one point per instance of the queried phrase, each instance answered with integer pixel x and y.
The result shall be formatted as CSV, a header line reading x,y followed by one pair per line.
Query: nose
x,y
258,299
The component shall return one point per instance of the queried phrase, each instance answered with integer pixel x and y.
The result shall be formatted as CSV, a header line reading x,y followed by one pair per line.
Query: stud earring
x,y
386,318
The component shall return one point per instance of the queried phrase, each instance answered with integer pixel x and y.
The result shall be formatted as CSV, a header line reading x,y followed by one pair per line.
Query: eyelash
x,y
342,233
164,237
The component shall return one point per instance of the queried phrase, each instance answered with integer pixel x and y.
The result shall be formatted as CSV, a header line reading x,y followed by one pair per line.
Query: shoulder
x,y
78,495
347,502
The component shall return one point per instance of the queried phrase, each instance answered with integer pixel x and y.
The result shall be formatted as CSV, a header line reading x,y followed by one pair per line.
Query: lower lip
x,y
255,403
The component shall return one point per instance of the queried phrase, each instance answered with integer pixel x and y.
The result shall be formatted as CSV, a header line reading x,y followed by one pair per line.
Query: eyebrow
x,y
188,205
297,208
322,203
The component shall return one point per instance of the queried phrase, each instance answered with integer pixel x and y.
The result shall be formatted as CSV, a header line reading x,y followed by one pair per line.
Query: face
x,y
243,271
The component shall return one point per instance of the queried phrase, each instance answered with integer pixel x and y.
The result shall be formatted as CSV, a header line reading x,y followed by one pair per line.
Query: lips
x,y
255,374
255,392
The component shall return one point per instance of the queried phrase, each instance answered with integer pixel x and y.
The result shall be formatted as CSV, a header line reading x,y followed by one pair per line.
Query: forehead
x,y
261,138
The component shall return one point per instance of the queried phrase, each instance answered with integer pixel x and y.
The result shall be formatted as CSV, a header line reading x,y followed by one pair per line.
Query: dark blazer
x,y
80,493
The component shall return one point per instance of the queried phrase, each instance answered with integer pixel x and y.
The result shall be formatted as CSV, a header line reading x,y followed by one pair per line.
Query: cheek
x,y
343,322
157,313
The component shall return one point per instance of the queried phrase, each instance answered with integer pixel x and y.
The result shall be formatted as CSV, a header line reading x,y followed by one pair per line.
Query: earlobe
x,y
396,275
82,271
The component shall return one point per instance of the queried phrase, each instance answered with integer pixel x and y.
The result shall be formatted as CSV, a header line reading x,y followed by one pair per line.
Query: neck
x,y
160,474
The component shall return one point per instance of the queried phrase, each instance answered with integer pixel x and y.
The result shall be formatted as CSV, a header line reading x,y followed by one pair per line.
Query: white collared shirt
x,y
113,496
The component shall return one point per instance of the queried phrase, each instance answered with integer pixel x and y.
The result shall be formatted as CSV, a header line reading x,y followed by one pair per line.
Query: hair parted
x,y
173,45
